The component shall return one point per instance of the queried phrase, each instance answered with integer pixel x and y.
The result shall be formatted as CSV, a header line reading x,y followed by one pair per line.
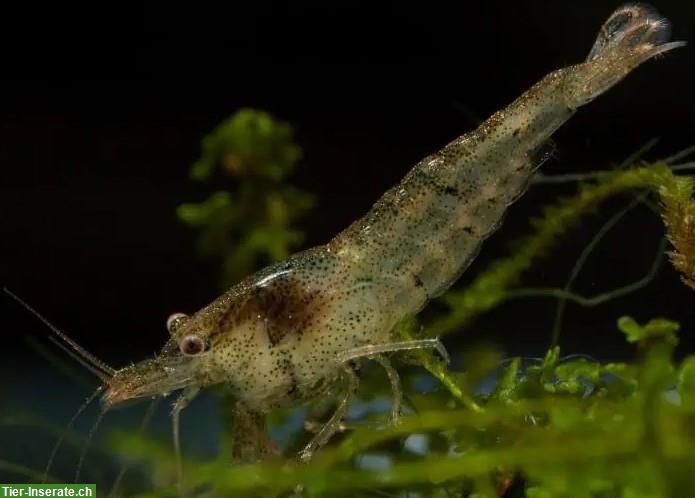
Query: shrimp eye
x,y
192,345
175,321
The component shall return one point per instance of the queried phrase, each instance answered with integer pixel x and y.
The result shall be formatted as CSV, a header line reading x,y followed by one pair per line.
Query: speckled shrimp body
x,y
295,330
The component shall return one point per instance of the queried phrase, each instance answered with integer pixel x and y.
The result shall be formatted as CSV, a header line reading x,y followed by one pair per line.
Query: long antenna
x,y
125,466
58,443
86,355
85,448
104,376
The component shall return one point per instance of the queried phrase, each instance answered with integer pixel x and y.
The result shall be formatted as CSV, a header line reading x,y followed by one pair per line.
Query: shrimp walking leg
x,y
392,347
333,424
396,389
181,402
376,351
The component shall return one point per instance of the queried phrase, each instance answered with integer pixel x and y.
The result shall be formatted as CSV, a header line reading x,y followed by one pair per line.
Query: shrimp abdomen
x,y
424,232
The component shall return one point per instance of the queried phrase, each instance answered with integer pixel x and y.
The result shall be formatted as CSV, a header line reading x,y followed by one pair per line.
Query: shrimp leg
x,y
349,377
392,347
373,351
181,402
396,389
376,351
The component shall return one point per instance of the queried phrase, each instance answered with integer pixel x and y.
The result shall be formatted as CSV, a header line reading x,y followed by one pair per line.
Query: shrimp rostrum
x,y
300,328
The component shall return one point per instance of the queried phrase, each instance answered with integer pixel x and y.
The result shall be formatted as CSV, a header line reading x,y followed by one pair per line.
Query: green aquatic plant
x,y
561,428
251,222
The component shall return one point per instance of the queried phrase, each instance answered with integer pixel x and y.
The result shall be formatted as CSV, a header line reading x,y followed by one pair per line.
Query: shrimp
x,y
298,329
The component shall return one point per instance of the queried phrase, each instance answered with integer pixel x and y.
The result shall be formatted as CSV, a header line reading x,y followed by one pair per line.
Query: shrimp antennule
x,y
104,376
84,357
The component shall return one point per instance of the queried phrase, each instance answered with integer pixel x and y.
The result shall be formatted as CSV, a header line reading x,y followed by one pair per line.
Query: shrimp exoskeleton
x,y
297,329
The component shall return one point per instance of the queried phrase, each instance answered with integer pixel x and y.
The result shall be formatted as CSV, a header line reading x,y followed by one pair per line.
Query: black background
x,y
102,112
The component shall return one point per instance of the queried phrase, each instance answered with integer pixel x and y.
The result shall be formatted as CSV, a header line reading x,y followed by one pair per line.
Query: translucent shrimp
x,y
297,329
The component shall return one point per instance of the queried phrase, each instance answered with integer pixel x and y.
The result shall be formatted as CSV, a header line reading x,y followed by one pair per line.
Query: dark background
x,y
101,115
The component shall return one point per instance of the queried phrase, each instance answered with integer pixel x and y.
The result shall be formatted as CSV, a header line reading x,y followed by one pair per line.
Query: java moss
x,y
249,221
